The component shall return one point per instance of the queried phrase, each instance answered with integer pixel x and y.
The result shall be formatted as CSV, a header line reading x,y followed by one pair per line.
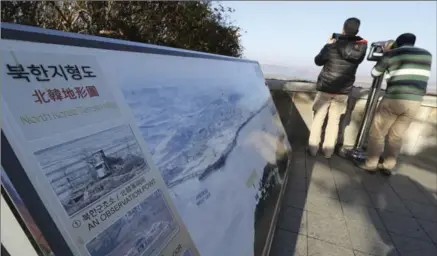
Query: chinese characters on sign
x,y
107,208
43,74
65,93
105,204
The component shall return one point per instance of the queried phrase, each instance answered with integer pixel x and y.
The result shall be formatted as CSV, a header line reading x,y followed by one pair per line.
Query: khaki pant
x,y
331,106
392,118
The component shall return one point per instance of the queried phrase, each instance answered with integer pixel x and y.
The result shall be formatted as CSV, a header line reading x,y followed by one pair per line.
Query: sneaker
x,y
386,172
328,156
363,166
328,153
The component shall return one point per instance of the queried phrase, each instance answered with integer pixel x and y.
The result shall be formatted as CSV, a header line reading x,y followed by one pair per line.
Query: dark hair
x,y
405,39
351,26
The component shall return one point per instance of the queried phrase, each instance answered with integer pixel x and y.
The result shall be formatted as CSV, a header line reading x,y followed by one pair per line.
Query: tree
x,y
188,25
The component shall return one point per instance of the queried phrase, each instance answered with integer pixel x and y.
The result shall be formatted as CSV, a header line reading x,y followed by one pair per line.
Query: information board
x,y
208,121
86,158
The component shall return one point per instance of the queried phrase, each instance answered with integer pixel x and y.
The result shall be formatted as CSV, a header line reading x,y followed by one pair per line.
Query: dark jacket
x,y
340,61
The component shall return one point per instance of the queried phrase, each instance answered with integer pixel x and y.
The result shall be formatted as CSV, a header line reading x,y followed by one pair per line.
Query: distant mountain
x,y
311,73
282,72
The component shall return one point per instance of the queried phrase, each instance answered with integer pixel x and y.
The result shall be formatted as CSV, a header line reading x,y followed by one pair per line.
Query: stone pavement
x,y
333,208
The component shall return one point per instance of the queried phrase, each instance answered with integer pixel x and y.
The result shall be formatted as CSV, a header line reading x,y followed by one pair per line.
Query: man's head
x,y
405,39
351,27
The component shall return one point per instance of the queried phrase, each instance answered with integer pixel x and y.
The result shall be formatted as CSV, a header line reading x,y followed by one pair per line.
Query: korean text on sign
x,y
43,73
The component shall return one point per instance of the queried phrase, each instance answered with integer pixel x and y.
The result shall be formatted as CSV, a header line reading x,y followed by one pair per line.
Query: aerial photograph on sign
x,y
187,253
218,148
84,170
144,230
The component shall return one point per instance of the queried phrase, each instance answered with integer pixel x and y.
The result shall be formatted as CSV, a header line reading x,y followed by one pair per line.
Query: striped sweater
x,y
408,70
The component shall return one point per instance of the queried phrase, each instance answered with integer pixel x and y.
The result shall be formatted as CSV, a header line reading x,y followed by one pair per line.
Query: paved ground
x,y
333,208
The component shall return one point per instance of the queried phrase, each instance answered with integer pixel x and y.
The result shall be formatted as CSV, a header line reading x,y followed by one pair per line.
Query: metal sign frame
x,y
31,199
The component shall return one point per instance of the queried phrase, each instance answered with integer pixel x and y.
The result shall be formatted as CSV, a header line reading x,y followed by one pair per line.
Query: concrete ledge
x,y
310,86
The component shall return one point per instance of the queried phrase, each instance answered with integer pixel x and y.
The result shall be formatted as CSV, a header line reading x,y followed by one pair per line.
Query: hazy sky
x,y
292,33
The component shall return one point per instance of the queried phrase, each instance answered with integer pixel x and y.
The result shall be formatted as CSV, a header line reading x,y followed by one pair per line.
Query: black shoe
x,y
366,168
383,170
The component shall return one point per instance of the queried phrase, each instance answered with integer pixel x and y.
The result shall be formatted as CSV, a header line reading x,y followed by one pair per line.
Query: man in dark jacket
x,y
340,58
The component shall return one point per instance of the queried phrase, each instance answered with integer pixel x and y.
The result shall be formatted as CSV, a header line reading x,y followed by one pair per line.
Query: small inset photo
x,y
84,170
144,230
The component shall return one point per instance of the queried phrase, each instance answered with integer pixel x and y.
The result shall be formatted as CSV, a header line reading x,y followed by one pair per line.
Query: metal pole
x,y
372,102
358,152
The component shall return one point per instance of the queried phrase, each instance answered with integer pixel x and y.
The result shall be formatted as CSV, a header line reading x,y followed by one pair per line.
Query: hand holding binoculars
x,y
377,49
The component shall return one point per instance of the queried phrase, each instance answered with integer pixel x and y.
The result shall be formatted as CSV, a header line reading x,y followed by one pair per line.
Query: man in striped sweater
x,y
408,70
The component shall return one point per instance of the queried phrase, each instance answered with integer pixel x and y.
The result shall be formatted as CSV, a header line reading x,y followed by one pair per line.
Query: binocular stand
x,y
358,151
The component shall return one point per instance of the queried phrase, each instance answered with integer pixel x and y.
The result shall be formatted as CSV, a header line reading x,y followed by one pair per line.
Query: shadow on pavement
x,y
349,211
384,216
286,243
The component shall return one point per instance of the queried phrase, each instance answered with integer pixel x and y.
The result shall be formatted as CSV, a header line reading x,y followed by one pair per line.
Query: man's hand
x,y
331,40
388,45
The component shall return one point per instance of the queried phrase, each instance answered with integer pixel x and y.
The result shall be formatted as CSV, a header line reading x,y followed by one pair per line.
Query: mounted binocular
x,y
377,49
